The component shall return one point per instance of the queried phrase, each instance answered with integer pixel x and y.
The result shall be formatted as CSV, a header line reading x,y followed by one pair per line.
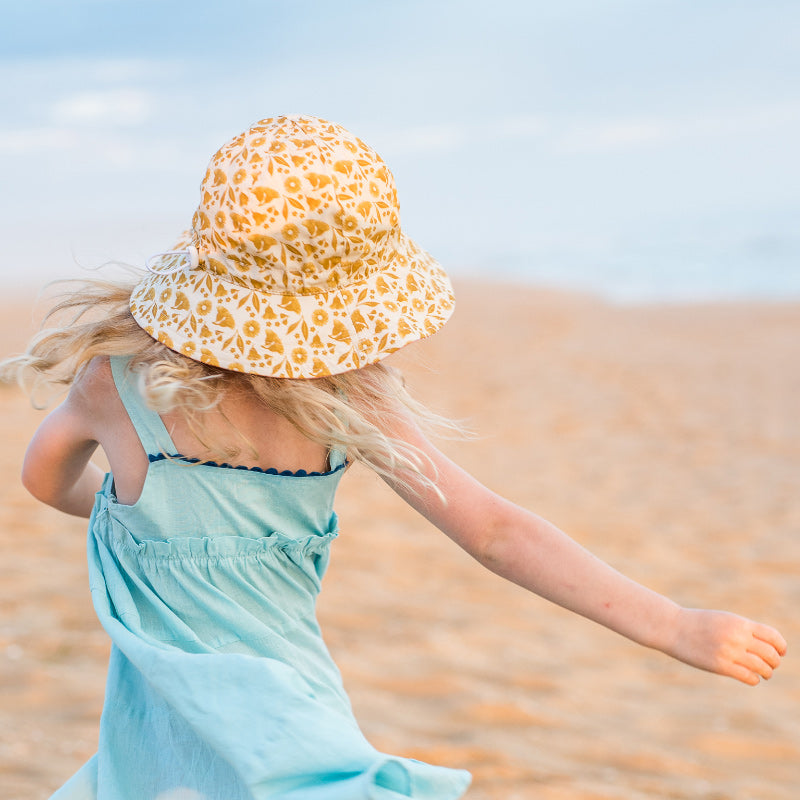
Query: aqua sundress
x,y
220,686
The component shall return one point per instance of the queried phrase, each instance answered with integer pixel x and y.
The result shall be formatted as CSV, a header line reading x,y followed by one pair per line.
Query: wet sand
x,y
665,439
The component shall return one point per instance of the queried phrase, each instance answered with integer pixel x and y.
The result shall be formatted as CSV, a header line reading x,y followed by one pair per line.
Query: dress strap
x,y
149,427
336,457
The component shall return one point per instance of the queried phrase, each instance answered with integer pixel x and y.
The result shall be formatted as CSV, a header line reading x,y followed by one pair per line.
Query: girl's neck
x,y
241,430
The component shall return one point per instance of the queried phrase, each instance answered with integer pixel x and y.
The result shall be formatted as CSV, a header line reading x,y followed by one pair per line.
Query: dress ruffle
x,y
287,473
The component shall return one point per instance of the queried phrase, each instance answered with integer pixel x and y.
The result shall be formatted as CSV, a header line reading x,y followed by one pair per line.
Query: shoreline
x,y
467,280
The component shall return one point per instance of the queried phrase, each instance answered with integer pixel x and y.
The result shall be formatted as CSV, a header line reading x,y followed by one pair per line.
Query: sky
x,y
643,149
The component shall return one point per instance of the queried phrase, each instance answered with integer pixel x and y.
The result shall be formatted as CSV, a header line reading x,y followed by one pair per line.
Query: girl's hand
x,y
727,644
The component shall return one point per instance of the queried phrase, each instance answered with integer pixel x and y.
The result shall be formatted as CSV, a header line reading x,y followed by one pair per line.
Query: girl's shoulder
x,y
95,381
94,394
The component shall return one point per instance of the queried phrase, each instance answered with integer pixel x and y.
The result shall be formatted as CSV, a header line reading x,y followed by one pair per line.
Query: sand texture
x,y
666,439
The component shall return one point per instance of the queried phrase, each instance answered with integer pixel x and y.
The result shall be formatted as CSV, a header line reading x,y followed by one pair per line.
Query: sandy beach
x,y
664,438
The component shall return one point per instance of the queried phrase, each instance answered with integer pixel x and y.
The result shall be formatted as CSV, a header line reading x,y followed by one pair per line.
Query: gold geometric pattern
x,y
303,270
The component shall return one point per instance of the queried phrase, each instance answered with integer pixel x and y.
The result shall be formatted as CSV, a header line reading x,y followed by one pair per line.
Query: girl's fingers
x,y
769,635
743,674
760,655
765,651
752,667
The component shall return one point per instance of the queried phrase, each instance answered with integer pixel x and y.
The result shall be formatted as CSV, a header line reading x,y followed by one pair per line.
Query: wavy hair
x,y
353,411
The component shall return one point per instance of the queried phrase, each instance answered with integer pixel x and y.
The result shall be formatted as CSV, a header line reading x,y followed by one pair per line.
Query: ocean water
x,y
698,270
624,278
682,275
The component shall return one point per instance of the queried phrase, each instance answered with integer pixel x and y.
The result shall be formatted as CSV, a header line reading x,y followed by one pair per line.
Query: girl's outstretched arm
x,y
531,552
57,469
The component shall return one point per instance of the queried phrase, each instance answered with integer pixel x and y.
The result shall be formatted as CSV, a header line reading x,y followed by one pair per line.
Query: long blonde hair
x,y
354,411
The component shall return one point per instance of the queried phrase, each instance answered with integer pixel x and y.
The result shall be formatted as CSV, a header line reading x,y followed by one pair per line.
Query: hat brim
x,y
209,318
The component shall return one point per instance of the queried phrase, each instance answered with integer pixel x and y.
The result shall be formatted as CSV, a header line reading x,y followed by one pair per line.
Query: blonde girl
x,y
229,389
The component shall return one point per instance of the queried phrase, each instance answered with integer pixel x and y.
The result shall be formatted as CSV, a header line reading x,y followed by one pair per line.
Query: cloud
x,y
36,140
603,135
424,139
594,137
115,107
591,135
442,138
522,126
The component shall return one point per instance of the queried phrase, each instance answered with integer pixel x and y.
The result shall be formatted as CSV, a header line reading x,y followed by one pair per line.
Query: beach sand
x,y
664,438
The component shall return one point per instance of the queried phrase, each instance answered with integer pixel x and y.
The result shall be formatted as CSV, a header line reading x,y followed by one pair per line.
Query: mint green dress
x,y
220,686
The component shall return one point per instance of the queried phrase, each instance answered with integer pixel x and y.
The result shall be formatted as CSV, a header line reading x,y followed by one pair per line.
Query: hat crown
x,y
295,265
296,205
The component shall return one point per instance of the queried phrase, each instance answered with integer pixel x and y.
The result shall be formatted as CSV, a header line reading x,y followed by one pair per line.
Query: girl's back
x,y
240,421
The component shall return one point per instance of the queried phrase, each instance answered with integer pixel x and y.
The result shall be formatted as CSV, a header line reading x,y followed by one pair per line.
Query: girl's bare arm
x,y
531,552
57,469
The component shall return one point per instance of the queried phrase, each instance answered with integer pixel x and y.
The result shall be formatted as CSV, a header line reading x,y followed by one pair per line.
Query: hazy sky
x,y
643,147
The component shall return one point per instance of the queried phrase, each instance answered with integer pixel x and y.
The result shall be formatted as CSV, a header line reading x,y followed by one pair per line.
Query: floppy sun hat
x,y
295,265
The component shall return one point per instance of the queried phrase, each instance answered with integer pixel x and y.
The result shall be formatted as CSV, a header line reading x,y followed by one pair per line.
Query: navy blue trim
x,y
301,473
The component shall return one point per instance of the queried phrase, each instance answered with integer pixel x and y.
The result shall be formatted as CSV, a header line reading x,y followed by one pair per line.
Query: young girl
x,y
230,389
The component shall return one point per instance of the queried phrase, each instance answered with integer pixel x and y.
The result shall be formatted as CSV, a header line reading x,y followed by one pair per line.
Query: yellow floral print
x,y
303,268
